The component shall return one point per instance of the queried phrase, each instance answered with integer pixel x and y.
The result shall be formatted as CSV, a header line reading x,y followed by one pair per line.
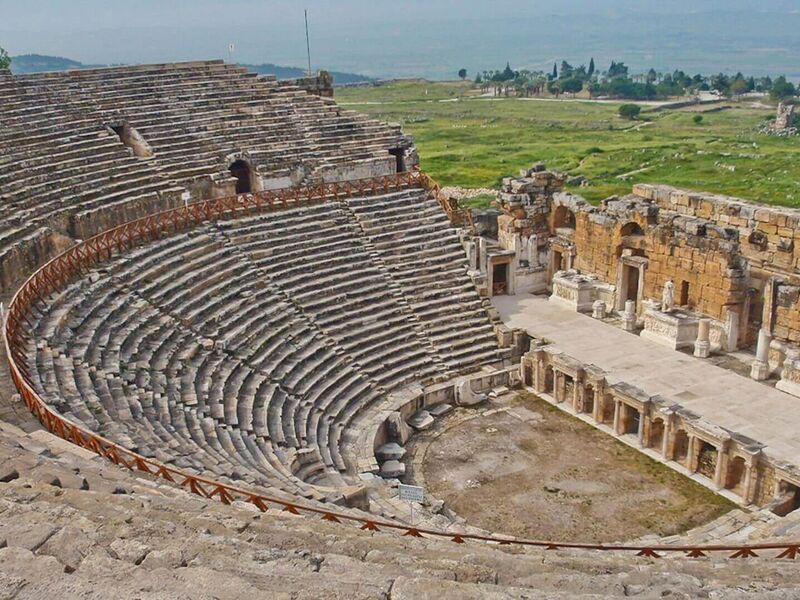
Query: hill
x,y
339,77
38,63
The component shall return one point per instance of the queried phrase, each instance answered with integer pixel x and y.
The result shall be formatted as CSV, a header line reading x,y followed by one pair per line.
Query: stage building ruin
x,y
687,270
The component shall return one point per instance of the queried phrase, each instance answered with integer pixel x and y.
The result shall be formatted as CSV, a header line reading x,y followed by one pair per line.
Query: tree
x,y
462,73
555,72
697,119
651,76
478,79
782,89
566,70
508,74
738,87
5,60
721,83
617,70
572,85
590,72
629,111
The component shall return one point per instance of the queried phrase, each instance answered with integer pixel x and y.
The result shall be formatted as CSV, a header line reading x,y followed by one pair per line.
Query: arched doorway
x,y
564,218
244,180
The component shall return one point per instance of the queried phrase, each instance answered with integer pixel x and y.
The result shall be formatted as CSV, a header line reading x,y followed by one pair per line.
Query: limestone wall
x,y
767,238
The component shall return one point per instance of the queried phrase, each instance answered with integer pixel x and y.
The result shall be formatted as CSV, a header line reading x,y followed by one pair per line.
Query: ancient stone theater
x,y
235,313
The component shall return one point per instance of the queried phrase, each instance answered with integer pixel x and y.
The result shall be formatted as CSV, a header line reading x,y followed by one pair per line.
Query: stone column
x,y
629,316
483,257
597,405
561,387
577,395
641,432
617,410
721,466
760,369
470,248
693,455
533,250
665,439
701,344
732,319
541,372
750,481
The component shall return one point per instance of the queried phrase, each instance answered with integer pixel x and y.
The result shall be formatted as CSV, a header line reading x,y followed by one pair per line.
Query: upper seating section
x,y
67,169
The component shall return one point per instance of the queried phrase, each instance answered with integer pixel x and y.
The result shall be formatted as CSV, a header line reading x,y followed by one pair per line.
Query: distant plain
x,y
468,140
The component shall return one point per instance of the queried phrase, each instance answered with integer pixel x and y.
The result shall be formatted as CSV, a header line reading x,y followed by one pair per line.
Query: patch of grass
x,y
482,201
475,142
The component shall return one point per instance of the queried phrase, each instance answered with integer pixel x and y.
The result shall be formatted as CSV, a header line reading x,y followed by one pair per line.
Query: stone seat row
x,y
230,350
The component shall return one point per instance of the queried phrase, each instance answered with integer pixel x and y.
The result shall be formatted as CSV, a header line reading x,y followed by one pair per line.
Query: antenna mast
x,y
308,45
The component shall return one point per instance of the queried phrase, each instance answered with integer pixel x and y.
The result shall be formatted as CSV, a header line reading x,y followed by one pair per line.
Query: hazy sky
x,y
414,37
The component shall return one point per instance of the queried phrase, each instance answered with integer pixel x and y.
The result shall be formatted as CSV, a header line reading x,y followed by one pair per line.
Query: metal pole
x,y
308,45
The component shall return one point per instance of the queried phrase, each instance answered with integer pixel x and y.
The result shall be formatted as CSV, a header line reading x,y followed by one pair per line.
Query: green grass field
x,y
467,140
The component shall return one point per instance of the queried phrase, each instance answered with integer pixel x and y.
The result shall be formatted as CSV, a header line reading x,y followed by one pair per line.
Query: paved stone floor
x,y
722,397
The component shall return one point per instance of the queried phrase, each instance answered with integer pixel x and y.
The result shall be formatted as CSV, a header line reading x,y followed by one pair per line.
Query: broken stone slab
x,y
392,469
465,396
421,420
440,409
399,431
390,451
499,391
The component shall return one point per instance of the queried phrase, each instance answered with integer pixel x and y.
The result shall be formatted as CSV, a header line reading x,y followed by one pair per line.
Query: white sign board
x,y
411,493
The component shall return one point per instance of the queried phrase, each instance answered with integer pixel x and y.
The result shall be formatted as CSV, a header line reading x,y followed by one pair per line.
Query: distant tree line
x,y
617,82
5,60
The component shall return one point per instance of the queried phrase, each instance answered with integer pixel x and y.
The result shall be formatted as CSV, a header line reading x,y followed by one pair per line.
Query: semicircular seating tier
x,y
81,151
250,348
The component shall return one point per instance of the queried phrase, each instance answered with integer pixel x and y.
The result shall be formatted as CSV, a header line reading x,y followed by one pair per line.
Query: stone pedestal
x,y
790,377
629,316
573,290
676,329
760,369
701,344
599,309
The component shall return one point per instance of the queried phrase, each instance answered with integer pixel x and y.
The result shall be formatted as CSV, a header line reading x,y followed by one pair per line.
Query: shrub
x,y
629,111
697,119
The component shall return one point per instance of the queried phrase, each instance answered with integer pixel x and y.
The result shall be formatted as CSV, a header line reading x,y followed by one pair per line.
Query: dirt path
x,y
529,470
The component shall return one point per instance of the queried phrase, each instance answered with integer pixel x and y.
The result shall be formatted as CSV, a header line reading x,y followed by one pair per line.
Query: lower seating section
x,y
245,349
62,513
425,259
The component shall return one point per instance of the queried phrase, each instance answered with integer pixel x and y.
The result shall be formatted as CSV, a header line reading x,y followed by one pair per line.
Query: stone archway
x,y
241,170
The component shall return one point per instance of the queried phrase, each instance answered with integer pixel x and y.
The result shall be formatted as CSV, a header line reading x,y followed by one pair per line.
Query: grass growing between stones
x,y
474,141
531,470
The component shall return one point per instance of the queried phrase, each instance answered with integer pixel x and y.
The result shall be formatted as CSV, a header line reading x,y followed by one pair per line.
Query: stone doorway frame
x,y
628,261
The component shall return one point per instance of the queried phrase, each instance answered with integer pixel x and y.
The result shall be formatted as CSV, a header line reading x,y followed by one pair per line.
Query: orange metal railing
x,y
71,263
